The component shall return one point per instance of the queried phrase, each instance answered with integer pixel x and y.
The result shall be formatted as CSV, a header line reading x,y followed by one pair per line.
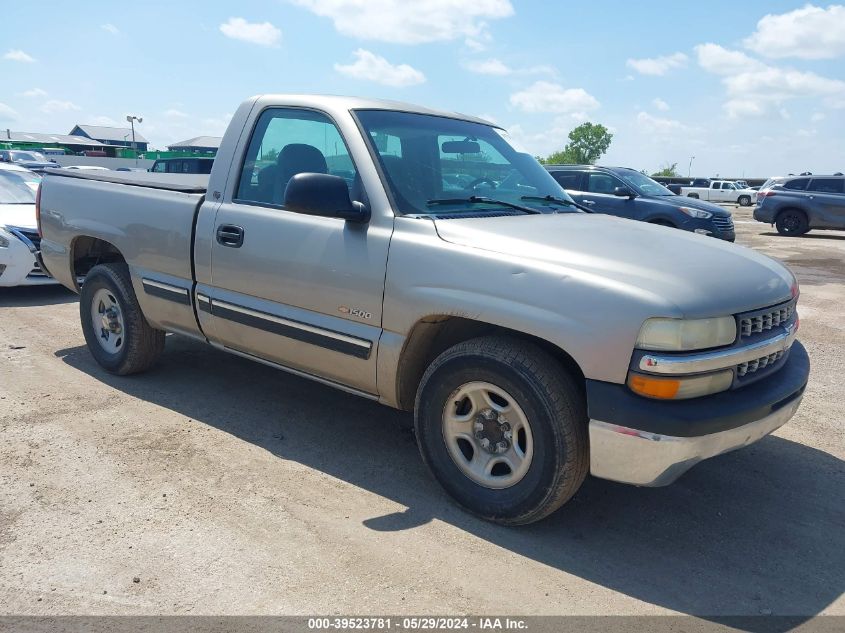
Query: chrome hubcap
x,y
107,320
487,435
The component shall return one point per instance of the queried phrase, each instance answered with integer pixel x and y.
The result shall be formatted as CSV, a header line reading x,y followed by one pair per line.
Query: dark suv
x,y
628,193
799,203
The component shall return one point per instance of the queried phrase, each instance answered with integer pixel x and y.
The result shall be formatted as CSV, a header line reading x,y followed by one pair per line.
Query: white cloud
x,y
754,88
33,92
808,33
173,113
404,22
488,67
658,65
110,28
372,67
545,96
17,55
660,126
102,120
817,116
53,105
722,61
7,113
660,104
261,33
495,66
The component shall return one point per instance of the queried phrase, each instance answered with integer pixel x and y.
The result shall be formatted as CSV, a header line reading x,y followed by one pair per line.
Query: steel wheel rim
x,y
107,321
478,411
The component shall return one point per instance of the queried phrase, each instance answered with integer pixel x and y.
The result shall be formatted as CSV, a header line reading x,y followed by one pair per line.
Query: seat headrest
x,y
298,158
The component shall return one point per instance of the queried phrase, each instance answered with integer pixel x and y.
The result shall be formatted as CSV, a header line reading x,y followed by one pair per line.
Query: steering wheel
x,y
478,181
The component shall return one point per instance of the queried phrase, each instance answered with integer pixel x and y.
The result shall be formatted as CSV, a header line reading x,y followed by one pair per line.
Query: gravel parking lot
x,y
213,485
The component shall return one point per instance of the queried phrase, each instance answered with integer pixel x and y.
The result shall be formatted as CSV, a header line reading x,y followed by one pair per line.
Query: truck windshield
x,y
644,185
435,164
14,189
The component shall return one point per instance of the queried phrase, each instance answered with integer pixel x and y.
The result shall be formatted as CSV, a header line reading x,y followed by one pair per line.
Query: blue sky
x,y
755,88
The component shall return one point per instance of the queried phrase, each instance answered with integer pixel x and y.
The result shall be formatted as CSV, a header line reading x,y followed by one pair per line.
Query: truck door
x,y
301,291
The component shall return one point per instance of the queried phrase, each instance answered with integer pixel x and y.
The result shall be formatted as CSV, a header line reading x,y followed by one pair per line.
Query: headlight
x,y
677,335
701,214
680,388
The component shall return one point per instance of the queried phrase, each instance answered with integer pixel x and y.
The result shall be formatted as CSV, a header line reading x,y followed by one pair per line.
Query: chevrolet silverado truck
x,y
418,258
722,191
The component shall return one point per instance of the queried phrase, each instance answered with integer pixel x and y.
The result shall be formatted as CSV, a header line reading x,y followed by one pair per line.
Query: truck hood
x,y
20,215
695,203
699,276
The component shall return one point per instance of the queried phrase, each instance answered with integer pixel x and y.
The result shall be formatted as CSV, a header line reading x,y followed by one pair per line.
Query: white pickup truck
x,y
722,191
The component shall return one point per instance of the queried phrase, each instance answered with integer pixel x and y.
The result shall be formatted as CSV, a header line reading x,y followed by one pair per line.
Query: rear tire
x,y
531,412
118,335
744,201
792,223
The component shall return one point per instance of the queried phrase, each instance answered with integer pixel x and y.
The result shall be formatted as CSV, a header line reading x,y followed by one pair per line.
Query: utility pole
x,y
689,172
131,118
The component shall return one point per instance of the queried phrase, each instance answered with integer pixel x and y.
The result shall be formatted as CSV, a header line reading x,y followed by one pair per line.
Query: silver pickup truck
x,y
420,259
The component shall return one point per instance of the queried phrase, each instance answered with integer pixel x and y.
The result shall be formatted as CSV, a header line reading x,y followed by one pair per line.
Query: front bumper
x,y
20,266
651,443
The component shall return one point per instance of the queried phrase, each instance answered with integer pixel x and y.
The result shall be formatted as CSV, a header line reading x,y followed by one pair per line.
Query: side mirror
x,y
624,192
323,195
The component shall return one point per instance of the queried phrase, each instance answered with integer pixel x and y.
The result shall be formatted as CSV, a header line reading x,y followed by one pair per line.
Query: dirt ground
x,y
213,485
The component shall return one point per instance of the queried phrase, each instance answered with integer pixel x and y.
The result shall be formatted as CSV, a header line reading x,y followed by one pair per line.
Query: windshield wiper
x,y
482,200
560,201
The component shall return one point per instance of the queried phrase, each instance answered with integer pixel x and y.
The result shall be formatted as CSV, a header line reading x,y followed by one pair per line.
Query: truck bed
x,y
184,183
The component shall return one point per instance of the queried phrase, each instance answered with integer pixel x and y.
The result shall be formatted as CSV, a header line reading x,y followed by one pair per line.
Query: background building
x,y
197,145
115,136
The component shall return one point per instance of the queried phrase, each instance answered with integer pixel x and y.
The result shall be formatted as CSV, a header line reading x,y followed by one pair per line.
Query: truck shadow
x,y
33,296
756,531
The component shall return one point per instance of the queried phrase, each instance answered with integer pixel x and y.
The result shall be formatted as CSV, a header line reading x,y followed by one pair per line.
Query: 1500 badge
x,y
356,312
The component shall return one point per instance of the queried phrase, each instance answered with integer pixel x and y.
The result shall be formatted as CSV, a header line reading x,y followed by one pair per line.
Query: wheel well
x,y
692,195
796,209
433,335
662,222
87,252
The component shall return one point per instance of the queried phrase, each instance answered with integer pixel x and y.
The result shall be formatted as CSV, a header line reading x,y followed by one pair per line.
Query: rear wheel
x,y
503,428
118,336
744,201
792,222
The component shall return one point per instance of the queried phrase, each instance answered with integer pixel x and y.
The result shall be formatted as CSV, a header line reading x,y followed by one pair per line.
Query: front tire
x,y
792,223
503,428
118,335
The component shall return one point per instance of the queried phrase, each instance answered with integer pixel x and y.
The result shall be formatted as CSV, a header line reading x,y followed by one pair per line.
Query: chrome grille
x,y
758,363
765,320
724,223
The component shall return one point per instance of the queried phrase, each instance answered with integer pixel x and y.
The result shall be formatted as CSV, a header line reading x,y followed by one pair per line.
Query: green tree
x,y
668,171
587,143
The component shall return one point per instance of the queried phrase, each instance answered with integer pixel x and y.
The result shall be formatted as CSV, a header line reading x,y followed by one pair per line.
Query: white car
x,y
19,240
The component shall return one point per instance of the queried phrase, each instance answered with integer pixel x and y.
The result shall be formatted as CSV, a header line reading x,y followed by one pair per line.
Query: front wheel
x,y
792,223
744,201
118,336
503,428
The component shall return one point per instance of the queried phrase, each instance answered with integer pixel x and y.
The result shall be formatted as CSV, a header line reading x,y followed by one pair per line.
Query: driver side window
x,y
602,183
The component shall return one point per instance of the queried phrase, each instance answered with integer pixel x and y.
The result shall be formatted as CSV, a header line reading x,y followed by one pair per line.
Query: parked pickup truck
x,y
722,191
415,257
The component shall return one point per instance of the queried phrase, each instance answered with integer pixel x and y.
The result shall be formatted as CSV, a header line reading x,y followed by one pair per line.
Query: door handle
x,y
230,235
588,202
